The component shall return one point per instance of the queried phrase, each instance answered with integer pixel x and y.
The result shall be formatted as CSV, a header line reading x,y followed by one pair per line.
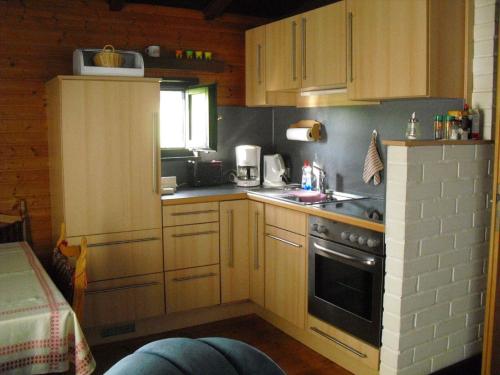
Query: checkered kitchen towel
x,y
373,164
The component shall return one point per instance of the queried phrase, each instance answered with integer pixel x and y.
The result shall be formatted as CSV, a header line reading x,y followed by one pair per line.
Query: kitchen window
x,y
188,118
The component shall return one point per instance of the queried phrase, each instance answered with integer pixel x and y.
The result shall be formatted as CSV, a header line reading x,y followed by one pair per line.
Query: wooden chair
x,y
69,265
14,223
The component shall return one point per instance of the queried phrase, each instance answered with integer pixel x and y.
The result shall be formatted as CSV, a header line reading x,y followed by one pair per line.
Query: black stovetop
x,y
372,209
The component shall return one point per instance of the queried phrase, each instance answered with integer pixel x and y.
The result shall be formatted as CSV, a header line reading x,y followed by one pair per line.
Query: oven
x,y
346,271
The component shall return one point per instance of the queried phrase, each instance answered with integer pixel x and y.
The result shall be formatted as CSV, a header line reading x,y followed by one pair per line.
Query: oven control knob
x,y
362,240
344,235
353,237
322,229
373,242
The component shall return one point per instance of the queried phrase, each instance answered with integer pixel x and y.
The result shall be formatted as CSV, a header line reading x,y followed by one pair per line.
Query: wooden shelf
x,y
183,64
432,142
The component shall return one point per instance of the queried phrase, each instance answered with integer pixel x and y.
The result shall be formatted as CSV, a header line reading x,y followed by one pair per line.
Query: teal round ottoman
x,y
207,356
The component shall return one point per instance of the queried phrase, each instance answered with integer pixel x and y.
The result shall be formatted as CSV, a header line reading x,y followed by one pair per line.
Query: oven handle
x,y
367,261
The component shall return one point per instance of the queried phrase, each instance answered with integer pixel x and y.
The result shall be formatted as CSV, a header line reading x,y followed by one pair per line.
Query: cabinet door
x,y
323,43
255,72
110,156
282,55
286,275
388,48
256,247
234,255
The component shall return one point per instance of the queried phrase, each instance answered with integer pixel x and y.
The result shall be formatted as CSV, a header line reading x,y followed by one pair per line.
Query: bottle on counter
x,y
476,123
413,128
307,176
438,127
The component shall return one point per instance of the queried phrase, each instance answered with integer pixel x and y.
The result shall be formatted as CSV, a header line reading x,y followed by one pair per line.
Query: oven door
x,y
345,288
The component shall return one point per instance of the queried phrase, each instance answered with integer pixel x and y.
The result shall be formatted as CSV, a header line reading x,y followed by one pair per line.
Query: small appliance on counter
x,y
247,165
274,169
205,173
168,185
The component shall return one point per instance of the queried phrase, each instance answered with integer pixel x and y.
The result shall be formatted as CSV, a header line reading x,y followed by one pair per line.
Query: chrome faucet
x,y
319,183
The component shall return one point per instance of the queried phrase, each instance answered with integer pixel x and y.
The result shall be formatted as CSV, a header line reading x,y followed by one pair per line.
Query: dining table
x,y
39,331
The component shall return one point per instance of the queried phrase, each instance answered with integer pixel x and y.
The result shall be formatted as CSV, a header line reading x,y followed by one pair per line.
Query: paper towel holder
x,y
314,125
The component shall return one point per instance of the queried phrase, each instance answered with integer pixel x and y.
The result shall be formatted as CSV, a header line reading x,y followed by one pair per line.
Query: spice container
x,y
448,123
413,128
438,127
455,129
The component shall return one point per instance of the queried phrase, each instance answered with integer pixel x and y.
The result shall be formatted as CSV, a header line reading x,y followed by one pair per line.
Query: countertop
x,y
432,142
232,192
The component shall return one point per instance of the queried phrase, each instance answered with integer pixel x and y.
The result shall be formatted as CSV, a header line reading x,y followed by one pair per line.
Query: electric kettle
x,y
274,169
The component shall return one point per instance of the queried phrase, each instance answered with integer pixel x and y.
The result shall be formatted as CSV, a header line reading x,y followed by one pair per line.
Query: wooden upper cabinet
x,y
323,47
110,155
402,49
283,54
255,70
234,257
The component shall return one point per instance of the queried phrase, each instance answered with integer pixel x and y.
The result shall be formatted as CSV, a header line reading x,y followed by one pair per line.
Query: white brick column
x,y
437,218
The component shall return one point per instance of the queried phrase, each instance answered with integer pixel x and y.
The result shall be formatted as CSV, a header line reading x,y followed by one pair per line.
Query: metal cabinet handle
x,y
194,234
338,342
256,260
121,242
259,66
155,152
367,261
294,50
350,47
193,212
230,239
304,48
283,240
118,288
194,277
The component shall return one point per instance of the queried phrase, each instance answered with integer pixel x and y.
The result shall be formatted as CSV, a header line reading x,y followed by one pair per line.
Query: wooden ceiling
x,y
272,9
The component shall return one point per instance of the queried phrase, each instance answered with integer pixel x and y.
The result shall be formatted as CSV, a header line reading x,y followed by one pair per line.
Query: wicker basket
x,y
108,57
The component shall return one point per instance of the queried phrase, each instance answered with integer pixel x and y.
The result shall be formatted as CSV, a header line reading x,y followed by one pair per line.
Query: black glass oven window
x,y
343,285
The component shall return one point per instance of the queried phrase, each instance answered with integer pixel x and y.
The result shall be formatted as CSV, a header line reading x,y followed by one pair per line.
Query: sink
x,y
304,197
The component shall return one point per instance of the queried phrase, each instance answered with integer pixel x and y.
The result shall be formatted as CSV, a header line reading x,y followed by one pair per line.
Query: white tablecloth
x,y
39,332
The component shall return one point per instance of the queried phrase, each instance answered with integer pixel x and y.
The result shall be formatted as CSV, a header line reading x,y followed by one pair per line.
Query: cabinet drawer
x,y
124,300
349,345
190,214
192,288
191,246
285,218
126,254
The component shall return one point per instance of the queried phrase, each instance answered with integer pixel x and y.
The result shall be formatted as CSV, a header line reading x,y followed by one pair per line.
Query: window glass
x,y
172,119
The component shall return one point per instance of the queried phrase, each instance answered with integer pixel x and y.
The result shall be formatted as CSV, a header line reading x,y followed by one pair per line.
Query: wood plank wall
x,y
37,39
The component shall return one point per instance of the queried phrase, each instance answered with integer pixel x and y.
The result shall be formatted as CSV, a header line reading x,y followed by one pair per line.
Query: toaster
x,y
205,173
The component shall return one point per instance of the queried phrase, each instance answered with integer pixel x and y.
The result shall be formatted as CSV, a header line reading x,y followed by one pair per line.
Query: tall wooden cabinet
x,y
104,177
401,49
234,259
255,68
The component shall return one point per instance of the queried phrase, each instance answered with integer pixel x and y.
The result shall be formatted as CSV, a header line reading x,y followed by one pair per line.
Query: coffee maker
x,y
247,165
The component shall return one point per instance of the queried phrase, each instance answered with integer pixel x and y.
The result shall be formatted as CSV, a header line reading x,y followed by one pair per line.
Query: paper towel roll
x,y
299,134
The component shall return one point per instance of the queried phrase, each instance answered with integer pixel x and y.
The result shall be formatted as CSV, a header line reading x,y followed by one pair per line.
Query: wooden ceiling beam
x,y
215,8
116,5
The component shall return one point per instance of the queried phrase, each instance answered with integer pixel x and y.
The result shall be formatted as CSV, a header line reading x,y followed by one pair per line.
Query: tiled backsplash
x,y
347,132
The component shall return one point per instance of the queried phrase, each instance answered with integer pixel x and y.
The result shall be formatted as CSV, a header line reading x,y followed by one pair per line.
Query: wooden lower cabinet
x,y
234,255
191,246
192,288
285,280
118,255
124,300
256,249
350,346
286,219
195,213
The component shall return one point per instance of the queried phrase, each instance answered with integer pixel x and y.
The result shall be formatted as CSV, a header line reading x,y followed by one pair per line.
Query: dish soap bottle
x,y
306,176
413,128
